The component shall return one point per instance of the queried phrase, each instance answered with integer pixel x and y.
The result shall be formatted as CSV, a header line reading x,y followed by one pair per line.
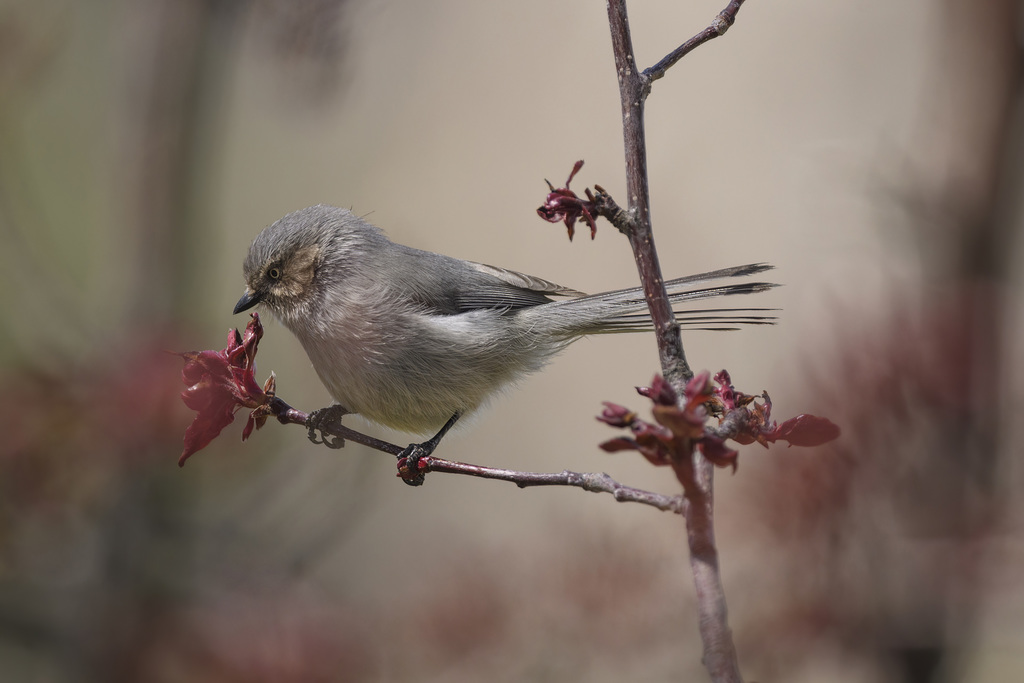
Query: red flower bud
x,y
564,205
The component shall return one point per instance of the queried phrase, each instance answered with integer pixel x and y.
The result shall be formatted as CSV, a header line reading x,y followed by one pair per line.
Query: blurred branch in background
x,y
29,45
182,54
178,53
897,523
101,553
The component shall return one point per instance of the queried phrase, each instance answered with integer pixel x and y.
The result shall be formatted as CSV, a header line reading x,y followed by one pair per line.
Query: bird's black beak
x,y
248,300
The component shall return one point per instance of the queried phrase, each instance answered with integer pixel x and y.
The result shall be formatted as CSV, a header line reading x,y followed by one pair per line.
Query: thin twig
x,y
285,414
606,206
595,482
720,25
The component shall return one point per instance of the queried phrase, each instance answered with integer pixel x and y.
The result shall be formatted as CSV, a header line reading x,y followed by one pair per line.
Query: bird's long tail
x,y
625,310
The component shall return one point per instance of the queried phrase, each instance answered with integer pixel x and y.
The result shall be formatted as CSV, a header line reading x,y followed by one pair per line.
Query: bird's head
x,y
293,261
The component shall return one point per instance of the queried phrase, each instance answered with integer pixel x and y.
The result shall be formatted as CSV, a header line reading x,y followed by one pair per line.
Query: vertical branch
x,y
181,49
713,617
633,89
634,86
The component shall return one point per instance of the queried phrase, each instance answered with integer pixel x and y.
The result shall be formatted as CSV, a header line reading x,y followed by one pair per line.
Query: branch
x,y
285,414
633,89
720,25
634,86
699,511
588,481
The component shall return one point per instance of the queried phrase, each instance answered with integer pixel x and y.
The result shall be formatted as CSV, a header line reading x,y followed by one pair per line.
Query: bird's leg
x,y
408,459
324,417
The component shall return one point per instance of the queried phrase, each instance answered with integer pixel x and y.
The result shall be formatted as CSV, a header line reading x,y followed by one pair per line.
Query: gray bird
x,y
413,340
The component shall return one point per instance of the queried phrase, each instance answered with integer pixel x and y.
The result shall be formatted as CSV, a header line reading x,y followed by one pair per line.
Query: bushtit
x,y
413,340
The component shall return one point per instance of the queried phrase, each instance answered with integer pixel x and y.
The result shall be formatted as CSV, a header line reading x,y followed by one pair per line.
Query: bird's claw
x,y
410,468
321,419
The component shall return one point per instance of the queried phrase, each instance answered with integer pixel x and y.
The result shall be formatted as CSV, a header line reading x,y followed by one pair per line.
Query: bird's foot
x,y
321,421
411,467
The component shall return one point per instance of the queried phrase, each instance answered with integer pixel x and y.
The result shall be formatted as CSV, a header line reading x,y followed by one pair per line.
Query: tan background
x,y
803,138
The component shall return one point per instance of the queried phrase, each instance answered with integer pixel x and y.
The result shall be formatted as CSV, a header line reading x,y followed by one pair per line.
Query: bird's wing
x,y
524,281
503,288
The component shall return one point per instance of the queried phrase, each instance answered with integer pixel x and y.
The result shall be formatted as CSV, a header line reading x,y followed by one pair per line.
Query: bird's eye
x,y
274,273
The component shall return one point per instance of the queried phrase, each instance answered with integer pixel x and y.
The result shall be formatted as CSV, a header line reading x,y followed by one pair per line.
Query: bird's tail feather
x,y
625,310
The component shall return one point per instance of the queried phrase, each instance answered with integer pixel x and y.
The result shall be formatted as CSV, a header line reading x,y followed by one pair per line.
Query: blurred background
x,y
871,150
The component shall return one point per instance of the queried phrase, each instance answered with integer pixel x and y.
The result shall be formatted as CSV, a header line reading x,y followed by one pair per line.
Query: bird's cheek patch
x,y
300,272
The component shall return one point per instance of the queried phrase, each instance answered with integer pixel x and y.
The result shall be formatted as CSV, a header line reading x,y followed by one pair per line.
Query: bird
x,y
415,340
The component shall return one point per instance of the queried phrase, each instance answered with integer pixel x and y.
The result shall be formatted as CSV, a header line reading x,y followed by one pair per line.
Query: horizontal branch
x,y
595,482
285,414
